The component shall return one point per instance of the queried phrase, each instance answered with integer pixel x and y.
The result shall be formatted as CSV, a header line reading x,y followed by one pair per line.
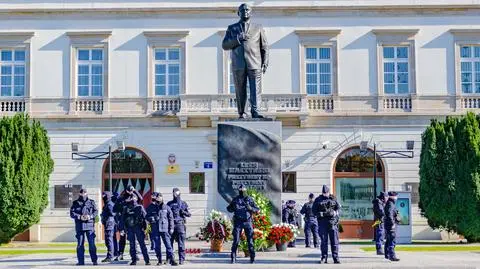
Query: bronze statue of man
x,y
249,56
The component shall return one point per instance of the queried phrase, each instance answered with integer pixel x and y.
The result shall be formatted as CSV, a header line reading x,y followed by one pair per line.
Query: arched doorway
x,y
130,167
353,186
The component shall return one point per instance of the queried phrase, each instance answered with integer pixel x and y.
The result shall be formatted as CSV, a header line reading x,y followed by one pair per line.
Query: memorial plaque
x,y
249,153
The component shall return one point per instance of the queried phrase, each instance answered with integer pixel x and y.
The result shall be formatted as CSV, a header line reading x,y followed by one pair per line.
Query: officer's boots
x,y
394,259
233,258
252,259
337,261
323,259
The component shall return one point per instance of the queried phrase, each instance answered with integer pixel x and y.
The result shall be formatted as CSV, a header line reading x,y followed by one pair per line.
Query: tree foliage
x,y
450,175
25,167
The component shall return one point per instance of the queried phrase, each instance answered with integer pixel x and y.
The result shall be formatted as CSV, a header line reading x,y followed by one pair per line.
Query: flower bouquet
x,y
281,234
216,230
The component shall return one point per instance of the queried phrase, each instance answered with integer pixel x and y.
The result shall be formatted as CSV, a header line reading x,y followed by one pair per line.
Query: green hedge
x,y
450,175
25,167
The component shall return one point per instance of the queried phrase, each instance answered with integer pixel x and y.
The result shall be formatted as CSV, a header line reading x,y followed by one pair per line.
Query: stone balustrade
x,y
397,103
470,102
12,105
89,105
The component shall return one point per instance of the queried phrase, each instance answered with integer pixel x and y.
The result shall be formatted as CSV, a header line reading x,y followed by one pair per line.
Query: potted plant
x,y
217,229
281,234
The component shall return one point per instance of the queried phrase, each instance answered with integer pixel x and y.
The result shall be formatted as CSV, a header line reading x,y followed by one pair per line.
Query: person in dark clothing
x,y
116,252
242,208
108,221
311,223
391,221
180,213
134,220
378,217
326,208
118,210
289,215
160,217
84,211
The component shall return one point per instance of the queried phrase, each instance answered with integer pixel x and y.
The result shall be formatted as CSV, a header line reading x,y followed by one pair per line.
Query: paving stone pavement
x,y
351,257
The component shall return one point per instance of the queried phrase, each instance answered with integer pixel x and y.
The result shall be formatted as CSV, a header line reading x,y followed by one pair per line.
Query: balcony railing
x,y
470,102
320,103
12,105
227,103
166,104
89,105
397,103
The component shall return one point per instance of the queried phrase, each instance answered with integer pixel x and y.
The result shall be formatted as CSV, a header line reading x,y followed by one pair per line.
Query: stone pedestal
x,y
249,153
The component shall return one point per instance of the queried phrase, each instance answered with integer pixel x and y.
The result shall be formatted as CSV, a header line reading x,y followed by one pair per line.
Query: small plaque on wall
x,y
65,194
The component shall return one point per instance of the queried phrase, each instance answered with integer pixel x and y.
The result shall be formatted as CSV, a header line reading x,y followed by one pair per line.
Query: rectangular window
x,y
197,182
396,70
318,70
12,72
231,82
470,69
90,66
167,71
289,182
65,194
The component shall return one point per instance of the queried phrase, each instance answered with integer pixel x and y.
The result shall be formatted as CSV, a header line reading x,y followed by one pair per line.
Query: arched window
x,y
353,183
130,167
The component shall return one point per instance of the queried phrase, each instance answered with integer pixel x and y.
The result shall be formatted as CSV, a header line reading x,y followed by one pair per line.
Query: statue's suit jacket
x,y
250,54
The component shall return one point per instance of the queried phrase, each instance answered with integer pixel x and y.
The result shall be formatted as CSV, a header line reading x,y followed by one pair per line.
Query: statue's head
x,y
244,11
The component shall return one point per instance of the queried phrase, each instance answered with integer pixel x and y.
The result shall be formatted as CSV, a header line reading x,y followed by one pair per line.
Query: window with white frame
x,y
318,70
90,72
167,71
470,69
12,72
396,70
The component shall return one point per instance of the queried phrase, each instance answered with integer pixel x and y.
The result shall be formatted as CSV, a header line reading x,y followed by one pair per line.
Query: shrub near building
x,y
450,175
25,167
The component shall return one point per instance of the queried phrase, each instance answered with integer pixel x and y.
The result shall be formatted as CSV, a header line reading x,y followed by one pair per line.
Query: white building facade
x,y
154,76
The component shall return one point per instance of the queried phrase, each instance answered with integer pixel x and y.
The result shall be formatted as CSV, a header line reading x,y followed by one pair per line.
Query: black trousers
x,y
254,77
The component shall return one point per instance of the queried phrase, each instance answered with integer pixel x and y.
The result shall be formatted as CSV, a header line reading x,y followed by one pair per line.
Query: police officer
x,y
118,210
84,211
134,220
391,221
289,215
160,217
108,221
311,222
180,213
326,209
242,208
378,217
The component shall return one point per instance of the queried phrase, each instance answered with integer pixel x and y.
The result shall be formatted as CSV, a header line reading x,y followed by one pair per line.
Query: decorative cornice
x,y
166,33
405,32
89,34
317,32
464,31
16,35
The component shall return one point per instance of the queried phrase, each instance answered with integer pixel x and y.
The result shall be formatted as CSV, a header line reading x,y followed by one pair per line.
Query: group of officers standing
x,y
124,214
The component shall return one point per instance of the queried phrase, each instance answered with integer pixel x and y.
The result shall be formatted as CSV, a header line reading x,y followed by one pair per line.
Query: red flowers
x,y
280,234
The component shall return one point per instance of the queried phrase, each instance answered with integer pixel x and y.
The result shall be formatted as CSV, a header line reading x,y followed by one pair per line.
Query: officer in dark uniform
x,y
326,209
134,219
180,213
84,211
160,217
391,221
311,223
290,216
378,217
242,208
108,221
118,210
